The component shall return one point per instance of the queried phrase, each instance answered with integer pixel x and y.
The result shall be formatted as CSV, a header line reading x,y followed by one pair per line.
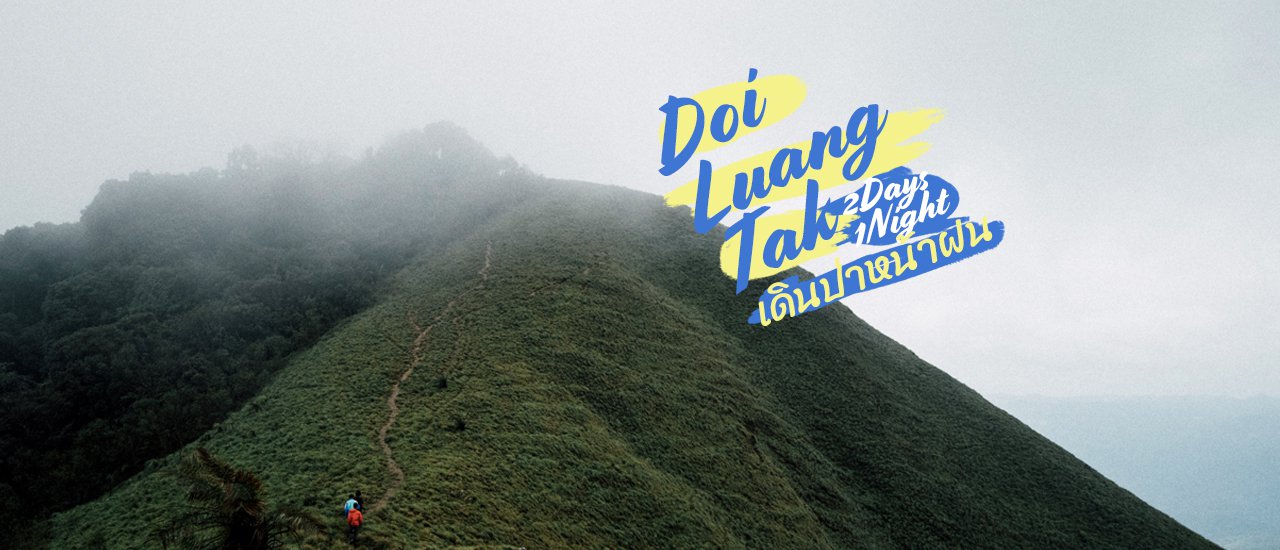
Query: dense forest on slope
x,y
543,363
127,335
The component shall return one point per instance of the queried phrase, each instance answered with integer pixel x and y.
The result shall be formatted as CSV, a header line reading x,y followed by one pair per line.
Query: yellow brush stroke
x,y
766,225
891,151
784,93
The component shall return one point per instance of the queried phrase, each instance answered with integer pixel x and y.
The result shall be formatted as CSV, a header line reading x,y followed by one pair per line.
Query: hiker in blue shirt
x,y
351,503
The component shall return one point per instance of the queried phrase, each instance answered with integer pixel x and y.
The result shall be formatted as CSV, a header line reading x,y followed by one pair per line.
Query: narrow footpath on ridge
x,y
415,357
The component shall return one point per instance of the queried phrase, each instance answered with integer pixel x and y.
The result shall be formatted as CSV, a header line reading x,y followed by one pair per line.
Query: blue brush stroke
x,y
925,263
933,188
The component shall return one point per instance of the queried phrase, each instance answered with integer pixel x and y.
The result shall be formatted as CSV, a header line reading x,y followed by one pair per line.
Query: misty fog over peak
x,y
1123,145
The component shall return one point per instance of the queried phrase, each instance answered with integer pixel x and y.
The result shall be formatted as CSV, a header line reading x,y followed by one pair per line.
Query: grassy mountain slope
x,y
596,385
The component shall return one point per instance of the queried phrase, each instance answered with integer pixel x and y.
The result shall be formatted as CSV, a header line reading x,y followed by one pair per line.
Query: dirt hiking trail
x,y
415,357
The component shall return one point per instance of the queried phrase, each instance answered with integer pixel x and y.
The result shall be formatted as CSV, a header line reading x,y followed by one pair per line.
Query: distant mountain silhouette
x,y
1207,461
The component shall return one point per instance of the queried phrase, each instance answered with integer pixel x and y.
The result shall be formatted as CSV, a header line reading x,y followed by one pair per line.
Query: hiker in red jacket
x,y
354,520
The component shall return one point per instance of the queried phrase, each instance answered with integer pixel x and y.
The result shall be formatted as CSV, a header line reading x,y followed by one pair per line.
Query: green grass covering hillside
x,y
599,387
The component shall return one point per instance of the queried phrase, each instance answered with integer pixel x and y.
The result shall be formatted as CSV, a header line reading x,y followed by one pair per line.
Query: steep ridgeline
x,y
570,369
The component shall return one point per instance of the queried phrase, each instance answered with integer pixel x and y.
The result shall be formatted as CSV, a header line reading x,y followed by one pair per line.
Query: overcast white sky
x,y
1127,148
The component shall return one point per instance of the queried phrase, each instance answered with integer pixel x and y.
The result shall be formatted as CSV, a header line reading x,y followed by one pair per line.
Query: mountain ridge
x,y
599,388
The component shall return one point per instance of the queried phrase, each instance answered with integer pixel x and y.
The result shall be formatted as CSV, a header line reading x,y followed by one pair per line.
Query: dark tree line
x,y
176,297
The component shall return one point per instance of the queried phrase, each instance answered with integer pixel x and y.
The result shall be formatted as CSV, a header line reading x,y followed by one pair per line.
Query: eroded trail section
x,y
415,357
